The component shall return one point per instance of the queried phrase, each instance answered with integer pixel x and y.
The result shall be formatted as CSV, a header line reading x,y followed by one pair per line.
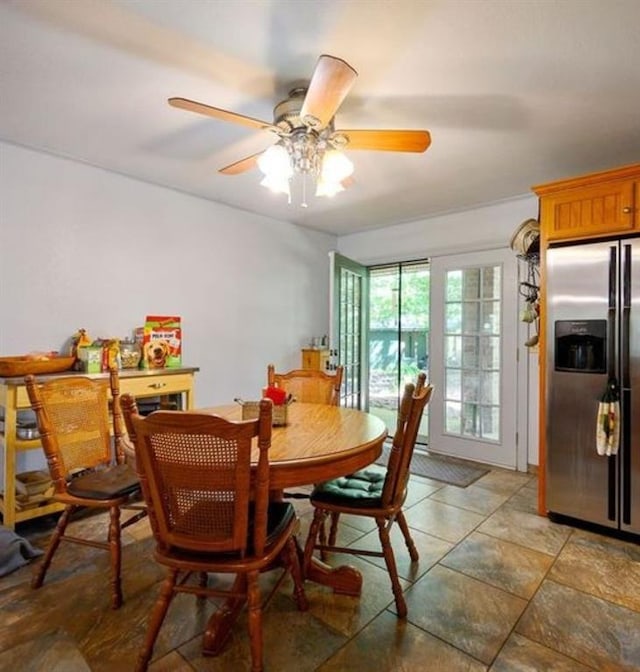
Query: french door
x,y
348,326
473,363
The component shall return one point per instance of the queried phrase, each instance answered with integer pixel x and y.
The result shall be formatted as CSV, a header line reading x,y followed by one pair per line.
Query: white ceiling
x,y
514,93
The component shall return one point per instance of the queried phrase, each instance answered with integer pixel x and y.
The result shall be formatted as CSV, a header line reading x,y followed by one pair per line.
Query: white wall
x,y
83,247
484,228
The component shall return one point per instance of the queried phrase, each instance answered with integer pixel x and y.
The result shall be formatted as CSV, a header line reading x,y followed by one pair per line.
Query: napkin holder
x,y
251,410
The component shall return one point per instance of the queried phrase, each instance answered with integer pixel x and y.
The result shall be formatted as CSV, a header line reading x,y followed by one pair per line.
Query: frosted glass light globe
x,y
335,166
275,162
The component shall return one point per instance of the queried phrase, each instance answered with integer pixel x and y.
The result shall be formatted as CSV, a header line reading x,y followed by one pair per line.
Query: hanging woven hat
x,y
526,239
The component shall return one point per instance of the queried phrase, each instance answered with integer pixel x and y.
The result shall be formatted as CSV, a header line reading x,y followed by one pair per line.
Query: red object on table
x,y
277,395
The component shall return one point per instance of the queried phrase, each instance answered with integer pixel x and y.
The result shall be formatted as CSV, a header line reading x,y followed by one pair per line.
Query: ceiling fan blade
x,y
387,141
331,81
241,166
217,113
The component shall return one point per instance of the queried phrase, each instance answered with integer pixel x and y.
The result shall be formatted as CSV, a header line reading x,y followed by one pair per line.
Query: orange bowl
x,y
24,365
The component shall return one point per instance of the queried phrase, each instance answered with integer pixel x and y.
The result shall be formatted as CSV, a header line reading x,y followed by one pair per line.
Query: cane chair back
x,y
86,466
73,415
210,510
196,473
308,385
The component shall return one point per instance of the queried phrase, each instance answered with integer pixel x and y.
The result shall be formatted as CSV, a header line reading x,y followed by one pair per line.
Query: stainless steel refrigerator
x,y
593,337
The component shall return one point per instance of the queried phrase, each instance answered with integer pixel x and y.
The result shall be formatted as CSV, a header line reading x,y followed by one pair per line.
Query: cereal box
x,y
162,342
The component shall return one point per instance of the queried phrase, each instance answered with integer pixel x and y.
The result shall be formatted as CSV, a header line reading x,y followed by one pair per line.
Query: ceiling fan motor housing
x,y
286,114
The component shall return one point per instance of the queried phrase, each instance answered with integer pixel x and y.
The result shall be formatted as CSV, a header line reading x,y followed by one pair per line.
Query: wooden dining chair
x,y
210,514
308,385
86,466
373,493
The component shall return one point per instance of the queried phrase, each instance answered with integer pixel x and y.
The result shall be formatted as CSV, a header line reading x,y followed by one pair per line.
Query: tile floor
x,y
497,588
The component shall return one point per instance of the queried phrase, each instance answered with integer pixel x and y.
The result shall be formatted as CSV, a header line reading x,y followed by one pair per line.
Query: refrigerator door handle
x,y
626,384
611,312
611,370
626,316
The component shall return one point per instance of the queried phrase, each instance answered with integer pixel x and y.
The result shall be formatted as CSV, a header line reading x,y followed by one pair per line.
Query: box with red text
x,y
162,342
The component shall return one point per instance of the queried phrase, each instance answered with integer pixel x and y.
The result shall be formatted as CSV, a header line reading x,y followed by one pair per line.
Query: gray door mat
x,y
439,468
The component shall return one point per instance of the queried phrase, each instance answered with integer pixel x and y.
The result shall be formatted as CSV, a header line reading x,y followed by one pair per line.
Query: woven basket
x,y
251,410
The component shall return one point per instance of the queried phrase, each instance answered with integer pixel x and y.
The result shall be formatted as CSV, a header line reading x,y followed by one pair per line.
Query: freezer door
x,y
630,372
579,482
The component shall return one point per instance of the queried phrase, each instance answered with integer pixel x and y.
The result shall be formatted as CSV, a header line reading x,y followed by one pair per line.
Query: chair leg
x,y
390,561
255,621
408,539
58,533
314,529
333,532
157,617
322,537
115,550
293,562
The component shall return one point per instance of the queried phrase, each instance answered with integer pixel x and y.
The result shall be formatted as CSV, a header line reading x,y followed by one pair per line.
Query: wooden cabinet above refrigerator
x,y
591,206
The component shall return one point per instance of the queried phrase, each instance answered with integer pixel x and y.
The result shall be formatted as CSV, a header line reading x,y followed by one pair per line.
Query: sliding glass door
x,y
398,345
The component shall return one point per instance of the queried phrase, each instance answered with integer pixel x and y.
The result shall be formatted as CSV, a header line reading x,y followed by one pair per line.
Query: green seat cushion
x,y
362,489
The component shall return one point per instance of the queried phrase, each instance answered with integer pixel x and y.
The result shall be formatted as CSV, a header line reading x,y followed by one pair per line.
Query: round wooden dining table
x,y
318,443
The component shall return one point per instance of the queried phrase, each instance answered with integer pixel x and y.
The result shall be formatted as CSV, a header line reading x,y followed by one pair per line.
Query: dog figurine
x,y
156,353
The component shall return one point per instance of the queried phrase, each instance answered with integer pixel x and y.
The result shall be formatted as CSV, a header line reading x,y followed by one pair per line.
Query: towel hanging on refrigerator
x,y
608,423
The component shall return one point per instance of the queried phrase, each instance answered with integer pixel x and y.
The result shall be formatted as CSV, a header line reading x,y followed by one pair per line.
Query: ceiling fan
x,y
305,137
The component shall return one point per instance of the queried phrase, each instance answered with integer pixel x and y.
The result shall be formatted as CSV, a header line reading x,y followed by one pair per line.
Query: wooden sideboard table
x,y
13,398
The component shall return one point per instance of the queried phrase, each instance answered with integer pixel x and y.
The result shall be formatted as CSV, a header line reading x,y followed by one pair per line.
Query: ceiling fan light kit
x,y
307,154
309,148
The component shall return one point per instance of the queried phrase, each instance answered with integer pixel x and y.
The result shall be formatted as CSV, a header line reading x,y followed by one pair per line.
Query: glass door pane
x,y
414,330
384,295
398,336
472,347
